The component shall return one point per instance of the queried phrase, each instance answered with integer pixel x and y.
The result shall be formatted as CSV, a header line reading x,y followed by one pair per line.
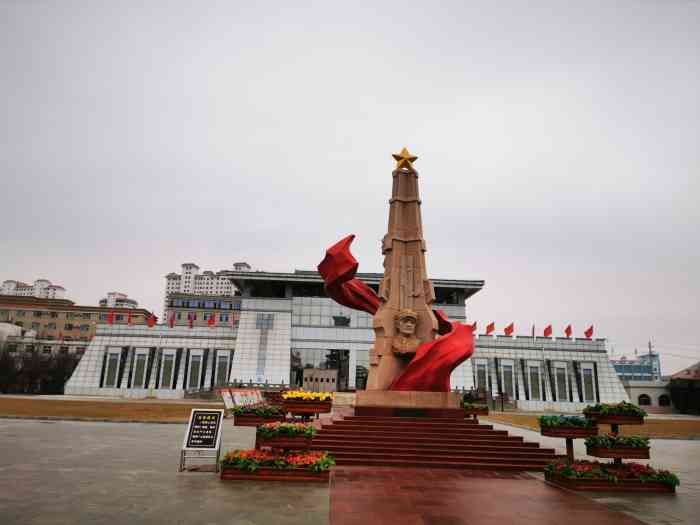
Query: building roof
x,y
308,276
19,301
691,373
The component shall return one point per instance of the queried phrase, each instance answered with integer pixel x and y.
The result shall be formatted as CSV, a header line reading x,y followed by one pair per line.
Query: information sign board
x,y
203,436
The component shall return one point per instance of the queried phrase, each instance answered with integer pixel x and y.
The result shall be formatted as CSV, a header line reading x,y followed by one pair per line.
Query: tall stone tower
x,y
405,318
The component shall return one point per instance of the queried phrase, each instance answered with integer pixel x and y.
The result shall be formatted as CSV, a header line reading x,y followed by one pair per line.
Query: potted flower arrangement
x,y
280,435
622,413
251,416
265,465
616,446
474,409
303,402
592,475
567,426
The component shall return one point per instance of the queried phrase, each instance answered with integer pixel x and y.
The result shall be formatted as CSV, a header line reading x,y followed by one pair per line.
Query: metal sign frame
x,y
202,452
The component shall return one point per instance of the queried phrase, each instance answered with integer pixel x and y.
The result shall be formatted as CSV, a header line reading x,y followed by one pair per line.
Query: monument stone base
x,y
387,403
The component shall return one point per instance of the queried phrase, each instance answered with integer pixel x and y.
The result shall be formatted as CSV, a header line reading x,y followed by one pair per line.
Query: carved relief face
x,y
407,326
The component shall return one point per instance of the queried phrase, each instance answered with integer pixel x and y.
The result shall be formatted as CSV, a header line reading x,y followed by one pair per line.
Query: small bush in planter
x,y
611,472
565,422
617,441
287,430
622,409
262,411
466,405
252,460
303,395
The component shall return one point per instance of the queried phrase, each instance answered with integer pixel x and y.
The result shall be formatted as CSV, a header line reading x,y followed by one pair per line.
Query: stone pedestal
x,y
408,404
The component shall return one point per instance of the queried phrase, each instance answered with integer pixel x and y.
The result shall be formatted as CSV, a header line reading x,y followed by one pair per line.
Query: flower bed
x,y
252,416
264,465
594,476
303,395
622,413
291,436
567,426
616,446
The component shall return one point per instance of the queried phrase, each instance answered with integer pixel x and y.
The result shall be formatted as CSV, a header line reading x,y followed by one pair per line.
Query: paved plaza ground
x,y
55,472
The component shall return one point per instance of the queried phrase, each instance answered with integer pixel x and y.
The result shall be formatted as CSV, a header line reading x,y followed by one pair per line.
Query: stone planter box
x,y
251,420
307,407
619,452
284,442
569,432
616,419
271,474
603,485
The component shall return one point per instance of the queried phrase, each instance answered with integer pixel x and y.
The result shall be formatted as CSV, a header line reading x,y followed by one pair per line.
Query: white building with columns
x,y
42,288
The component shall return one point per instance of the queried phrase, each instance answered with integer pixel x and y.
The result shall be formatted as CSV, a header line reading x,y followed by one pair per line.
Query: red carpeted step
x,y
484,450
423,463
388,456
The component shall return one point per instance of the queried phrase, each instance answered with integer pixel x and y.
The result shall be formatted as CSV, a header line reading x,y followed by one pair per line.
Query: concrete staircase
x,y
427,442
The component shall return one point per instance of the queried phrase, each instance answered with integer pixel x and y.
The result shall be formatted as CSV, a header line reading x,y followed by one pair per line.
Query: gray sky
x,y
558,149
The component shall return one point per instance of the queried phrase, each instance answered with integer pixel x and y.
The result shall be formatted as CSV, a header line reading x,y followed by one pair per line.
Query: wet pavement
x,y
56,472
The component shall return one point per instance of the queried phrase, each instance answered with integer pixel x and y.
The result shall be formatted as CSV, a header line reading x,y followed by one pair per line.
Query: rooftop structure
x,y
42,288
118,300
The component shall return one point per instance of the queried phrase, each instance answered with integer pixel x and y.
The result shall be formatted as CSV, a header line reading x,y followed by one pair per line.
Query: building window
x,y
120,317
112,369
37,313
35,326
507,380
80,350
29,349
535,391
560,376
223,318
68,326
12,348
47,350
70,315
139,370
179,316
103,317
481,377
195,371
63,350
588,385
221,370
53,315
664,400
51,326
21,313
264,321
86,315
166,376
644,400
84,327
341,320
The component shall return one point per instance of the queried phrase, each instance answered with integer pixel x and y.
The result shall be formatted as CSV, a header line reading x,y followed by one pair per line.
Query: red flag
x,y
110,318
509,329
190,319
171,321
152,321
212,320
128,319
567,331
589,333
548,331
490,328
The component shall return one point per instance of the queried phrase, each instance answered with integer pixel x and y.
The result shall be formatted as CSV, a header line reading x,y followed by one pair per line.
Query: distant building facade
x,y
646,367
192,282
652,395
58,325
118,300
282,328
42,289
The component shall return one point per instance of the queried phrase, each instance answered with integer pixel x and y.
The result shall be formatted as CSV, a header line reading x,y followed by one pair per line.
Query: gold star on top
x,y
404,159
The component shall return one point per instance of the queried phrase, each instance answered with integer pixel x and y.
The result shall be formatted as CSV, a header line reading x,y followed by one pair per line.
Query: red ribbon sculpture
x,y
430,368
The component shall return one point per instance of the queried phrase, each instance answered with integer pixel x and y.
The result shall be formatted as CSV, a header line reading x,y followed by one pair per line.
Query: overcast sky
x,y
558,149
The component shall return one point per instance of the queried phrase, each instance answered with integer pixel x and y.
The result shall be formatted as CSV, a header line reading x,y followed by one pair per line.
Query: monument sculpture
x,y
416,348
